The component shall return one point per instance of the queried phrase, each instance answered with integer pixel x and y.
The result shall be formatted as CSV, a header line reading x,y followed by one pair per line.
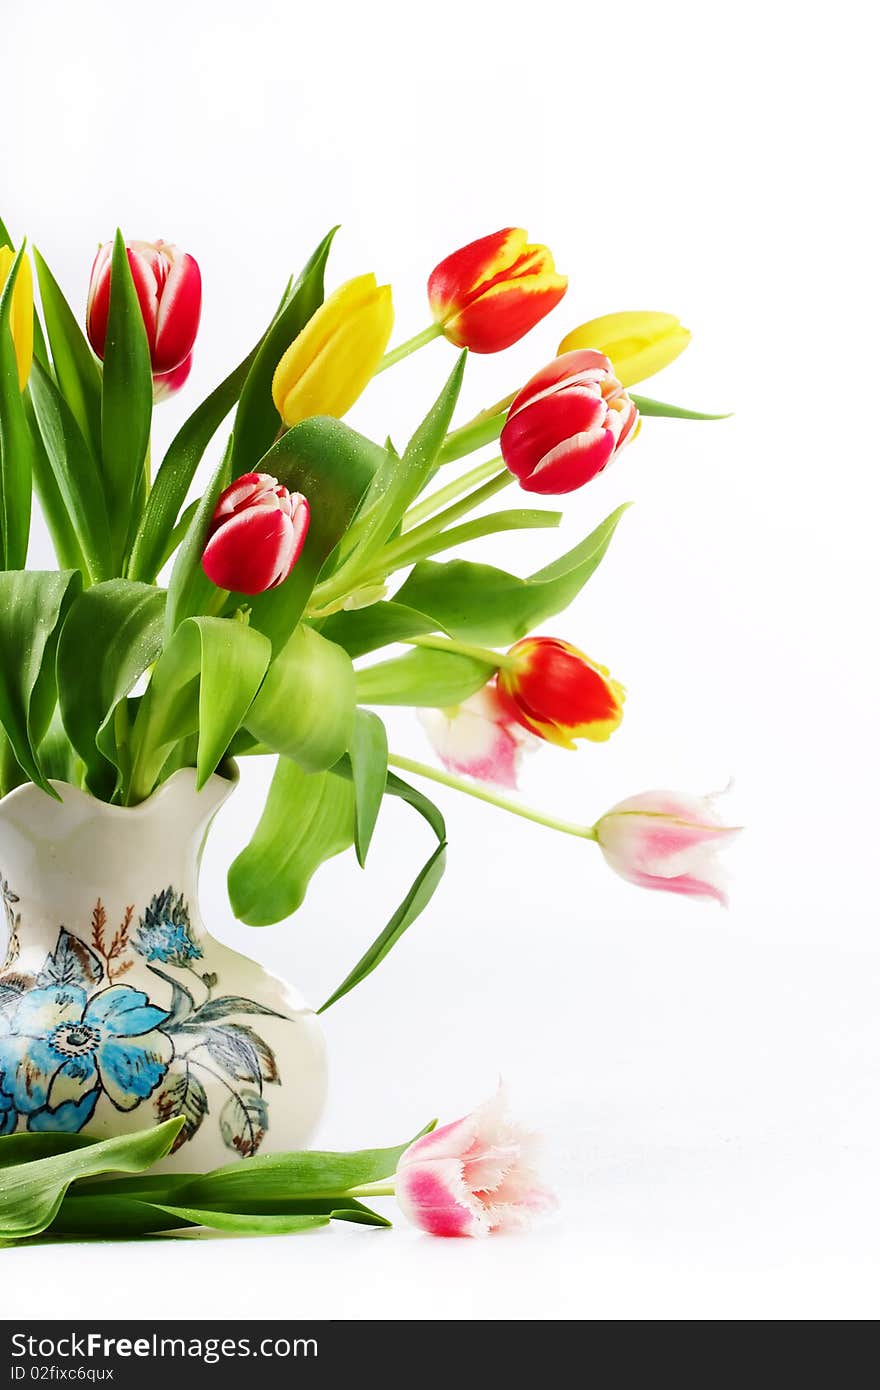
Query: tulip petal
x,y
178,313
639,343
433,1195
475,741
505,312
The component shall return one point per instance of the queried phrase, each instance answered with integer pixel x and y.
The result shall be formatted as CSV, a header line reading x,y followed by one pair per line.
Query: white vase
x,y
117,1008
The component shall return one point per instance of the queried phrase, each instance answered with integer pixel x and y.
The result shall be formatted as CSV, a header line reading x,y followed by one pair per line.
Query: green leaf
x,y
369,765
26,1147
177,471
126,398
305,708
33,604
111,1217
311,1173
16,445
76,370
477,603
75,473
189,586
422,678
119,625
415,902
31,1193
204,682
308,818
517,519
257,420
401,482
59,522
646,406
275,1225
482,430
333,467
365,629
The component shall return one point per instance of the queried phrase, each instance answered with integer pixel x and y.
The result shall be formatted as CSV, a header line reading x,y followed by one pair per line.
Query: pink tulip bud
x,y
256,535
567,423
472,1177
478,738
169,289
168,384
669,841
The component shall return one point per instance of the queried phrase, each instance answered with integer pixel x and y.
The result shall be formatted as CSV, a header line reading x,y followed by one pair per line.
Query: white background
x,y
708,1083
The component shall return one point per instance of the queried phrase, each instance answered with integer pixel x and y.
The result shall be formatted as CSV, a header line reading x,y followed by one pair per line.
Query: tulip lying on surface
x,y
472,1177
558,693
256,536
169,290
490,293
639,343
330,362
566,424
667,840
22,316
478,738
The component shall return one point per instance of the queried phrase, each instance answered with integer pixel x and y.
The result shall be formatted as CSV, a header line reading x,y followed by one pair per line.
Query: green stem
x,y
446,779
483,429
438,499
395,555
397,354
380,1188
500,660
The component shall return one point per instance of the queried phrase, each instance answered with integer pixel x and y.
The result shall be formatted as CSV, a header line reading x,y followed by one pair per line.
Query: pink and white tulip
x,y
478,738
169,290
473,1177
668,841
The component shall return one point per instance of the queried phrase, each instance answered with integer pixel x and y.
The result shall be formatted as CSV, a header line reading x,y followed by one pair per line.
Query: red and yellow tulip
x,y
558,693
487,295
22,316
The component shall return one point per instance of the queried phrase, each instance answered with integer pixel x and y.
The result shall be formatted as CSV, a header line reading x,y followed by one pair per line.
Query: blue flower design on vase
x,y
60,1050
8,1115
164,932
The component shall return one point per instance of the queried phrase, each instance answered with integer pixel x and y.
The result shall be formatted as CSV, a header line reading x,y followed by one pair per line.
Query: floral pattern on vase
x,y
72,1033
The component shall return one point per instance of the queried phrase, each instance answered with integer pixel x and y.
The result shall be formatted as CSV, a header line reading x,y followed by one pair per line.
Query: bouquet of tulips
x,y
189,632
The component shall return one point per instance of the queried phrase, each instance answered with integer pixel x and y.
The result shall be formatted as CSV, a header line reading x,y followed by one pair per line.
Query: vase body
x,y
117,1008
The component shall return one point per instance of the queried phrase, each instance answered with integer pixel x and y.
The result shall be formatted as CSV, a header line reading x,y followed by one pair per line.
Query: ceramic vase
x,y
117,1008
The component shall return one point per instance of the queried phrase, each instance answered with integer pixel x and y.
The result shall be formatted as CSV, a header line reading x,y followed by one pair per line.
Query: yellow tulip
x,y
22,316
330,362
639,343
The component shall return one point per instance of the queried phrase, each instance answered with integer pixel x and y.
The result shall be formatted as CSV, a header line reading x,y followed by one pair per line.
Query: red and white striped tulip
x,y
490,293
169,383
669,841
556,692
473,1177
256,536
169,290
478,738
567,423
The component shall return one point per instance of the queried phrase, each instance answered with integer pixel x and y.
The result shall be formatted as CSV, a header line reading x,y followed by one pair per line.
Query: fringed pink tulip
x,y
478,738
669,841
473,1177
256,535
567,423
169,289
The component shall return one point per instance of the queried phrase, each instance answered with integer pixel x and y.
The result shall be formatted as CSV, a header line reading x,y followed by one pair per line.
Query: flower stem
x,y
439,499
483,429
446,779
397,354
500,660
381,1188
399,552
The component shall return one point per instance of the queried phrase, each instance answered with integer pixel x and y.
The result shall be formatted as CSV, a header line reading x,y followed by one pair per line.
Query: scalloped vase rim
x,y
217,786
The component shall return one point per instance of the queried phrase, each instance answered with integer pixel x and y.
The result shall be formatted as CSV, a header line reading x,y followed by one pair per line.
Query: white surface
x,y
708,1083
